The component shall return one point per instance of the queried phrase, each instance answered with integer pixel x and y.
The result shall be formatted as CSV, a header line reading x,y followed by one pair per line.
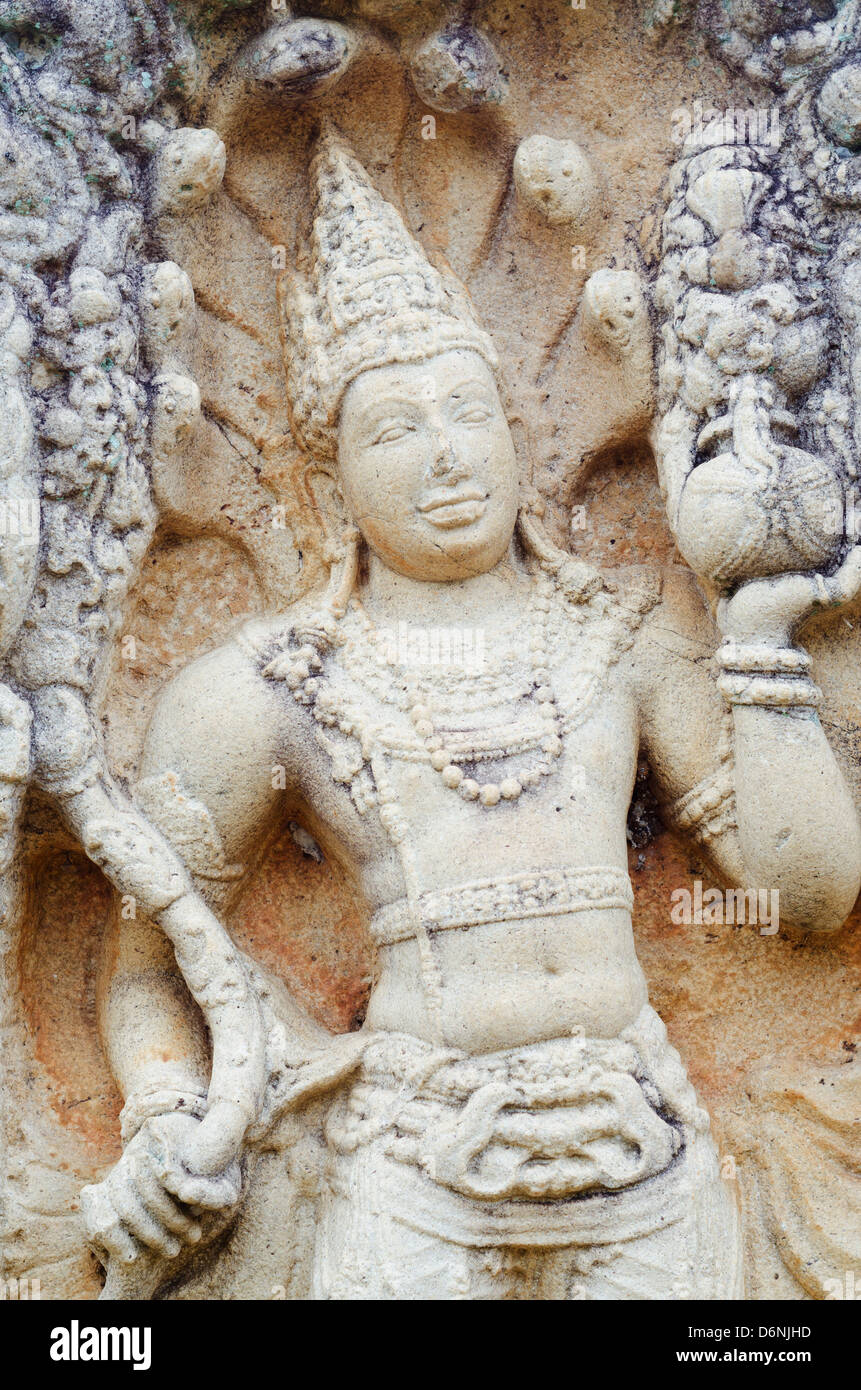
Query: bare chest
x,y
474,773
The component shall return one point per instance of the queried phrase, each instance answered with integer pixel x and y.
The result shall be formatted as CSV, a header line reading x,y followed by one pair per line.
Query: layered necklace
x,y
443,756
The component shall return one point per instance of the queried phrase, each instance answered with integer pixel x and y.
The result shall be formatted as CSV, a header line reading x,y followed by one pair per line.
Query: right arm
x,y
206,783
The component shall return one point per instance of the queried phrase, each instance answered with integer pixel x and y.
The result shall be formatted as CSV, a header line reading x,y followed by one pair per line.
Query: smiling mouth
x,y
452,509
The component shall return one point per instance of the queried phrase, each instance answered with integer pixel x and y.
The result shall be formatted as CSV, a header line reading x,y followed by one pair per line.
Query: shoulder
x,y
223,684
229,684
206,775
219,717
608,607
220,732
678,626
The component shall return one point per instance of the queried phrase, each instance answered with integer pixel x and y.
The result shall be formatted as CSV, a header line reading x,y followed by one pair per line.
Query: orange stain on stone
x,y
59,960
301,920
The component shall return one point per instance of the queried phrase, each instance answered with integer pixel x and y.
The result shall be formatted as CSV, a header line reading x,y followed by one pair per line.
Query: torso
x,y
533,974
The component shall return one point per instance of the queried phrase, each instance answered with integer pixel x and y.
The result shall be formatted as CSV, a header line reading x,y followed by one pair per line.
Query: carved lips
x,y
448,509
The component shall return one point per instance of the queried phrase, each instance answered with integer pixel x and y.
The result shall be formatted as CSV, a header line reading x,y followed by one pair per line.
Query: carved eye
x,y
474,414
391,433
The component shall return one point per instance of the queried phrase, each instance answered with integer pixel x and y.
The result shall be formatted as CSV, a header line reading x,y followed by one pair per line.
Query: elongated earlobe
x,y
342,539
344,570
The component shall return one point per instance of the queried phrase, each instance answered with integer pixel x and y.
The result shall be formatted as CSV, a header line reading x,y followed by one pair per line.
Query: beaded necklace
x,y
299,663
442,753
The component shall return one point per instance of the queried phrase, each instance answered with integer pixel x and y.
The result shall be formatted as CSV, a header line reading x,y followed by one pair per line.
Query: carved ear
x,y
323,489
523,444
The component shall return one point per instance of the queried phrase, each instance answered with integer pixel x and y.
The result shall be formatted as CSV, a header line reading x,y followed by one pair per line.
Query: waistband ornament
x,y
547,1121
543,893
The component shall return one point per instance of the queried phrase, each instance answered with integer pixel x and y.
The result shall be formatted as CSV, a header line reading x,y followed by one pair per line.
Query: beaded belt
x,y
545,1121
542,893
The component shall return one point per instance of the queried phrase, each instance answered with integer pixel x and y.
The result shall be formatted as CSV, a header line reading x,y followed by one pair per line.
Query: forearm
x,y
797,826
152,1030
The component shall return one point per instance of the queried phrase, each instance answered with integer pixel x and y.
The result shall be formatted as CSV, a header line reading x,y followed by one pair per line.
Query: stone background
x,y
730,997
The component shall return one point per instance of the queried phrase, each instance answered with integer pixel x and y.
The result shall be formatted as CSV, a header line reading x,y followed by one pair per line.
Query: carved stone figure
x,y
415,673
512,1109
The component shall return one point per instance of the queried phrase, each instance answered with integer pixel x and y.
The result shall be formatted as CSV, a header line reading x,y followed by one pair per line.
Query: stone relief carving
x,y
300,367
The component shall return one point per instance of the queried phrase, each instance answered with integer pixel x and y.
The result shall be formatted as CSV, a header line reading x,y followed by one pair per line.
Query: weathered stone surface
x,y
424,443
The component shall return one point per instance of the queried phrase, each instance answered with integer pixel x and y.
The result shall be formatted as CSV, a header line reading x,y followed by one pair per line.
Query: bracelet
x,y
158,1100
708,809
759,656
758,674
782,692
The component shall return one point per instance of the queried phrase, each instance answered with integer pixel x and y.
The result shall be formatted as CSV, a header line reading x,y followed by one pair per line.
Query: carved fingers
x,y
142,1224
771,609
163,1209
104,1228
131,1210
183,1163
152,1202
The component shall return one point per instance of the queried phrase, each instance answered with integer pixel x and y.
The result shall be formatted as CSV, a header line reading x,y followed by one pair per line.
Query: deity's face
x,y
428,467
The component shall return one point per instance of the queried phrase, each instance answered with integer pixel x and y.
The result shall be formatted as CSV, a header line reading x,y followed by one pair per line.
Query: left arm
x,y
749,771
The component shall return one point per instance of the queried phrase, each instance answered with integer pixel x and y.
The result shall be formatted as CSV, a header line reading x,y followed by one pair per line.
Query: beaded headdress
x,y
372,298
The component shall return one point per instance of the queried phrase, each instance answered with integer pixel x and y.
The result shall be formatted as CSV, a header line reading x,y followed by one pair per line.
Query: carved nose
x,y
446,463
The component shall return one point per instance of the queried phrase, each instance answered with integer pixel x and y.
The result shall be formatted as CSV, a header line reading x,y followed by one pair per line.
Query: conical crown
x,y
372,298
